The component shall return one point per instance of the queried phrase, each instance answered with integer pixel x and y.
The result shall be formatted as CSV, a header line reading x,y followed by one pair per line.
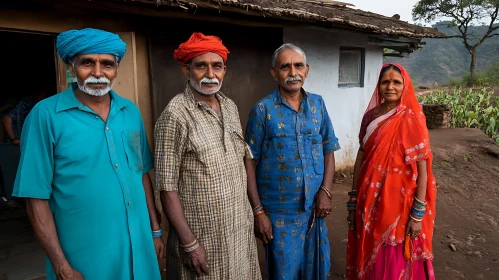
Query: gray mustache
x,y
209,81
94,80
293,79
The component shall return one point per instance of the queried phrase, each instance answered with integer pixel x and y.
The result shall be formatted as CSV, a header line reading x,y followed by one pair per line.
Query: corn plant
x,y
470,108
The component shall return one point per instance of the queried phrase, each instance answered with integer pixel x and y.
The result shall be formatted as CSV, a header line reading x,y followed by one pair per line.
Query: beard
x,y
93,80
197,86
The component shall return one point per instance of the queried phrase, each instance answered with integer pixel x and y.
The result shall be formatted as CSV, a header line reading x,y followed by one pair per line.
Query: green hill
x,y
443,59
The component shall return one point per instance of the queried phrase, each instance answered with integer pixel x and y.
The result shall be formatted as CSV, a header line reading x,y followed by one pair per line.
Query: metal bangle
x,y
190,244
258,208
416,219
419,201
259,213
327,192
192,248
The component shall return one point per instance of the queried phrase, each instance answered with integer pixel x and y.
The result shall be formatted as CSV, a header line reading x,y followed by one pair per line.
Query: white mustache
x,y
209,81
293,79
94,80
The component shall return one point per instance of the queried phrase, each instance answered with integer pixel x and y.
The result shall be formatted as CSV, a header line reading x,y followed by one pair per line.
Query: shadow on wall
x,y
248,76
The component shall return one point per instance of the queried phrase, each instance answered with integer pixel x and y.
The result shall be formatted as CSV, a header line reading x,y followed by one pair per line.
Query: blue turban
x,y
89,41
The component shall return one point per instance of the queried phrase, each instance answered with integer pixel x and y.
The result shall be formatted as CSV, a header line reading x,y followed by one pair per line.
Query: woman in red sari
x,y
392,203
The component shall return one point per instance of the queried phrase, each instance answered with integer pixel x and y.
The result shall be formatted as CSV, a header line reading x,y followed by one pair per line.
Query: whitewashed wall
x,y
346,106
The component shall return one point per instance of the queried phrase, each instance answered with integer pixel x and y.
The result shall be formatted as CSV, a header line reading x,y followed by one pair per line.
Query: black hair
x,y
386,69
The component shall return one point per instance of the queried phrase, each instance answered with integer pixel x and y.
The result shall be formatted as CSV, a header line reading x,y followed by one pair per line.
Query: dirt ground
x,y
466,167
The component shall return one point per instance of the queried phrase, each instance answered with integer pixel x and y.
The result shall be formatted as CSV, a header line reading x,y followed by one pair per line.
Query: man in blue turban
x,y
84,171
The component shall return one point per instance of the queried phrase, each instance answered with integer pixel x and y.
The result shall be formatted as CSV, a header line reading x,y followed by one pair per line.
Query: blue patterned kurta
x,y
19,113
290,147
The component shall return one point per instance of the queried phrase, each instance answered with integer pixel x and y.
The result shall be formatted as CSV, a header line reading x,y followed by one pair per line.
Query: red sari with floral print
x,y
387,185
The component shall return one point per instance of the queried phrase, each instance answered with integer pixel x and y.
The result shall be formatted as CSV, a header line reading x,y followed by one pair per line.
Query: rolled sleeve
x,y
255,130
329,141
170,136
36,166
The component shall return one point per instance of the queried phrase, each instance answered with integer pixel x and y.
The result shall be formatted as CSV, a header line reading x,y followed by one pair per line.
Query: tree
x,y
463,14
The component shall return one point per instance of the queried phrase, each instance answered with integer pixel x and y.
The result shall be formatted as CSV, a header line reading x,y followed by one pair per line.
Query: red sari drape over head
x,y
387,184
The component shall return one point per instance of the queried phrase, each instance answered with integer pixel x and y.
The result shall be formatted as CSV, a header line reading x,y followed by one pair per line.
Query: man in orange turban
x,y
200,171
197,45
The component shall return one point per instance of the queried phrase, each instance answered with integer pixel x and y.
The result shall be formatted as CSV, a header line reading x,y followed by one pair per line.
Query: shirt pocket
x,y
242,149
133,150
318,154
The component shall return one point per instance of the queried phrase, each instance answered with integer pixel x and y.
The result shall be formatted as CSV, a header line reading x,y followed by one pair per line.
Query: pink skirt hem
x,y
391,265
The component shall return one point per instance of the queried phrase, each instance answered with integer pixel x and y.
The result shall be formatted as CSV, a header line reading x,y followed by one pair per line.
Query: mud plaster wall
x,y
437,116
346,106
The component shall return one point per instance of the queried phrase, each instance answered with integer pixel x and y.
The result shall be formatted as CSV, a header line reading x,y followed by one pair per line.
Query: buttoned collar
x,y
278,97
67,100
193,103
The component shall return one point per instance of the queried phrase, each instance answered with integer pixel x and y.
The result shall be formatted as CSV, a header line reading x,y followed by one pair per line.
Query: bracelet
x,y
327,192
353,193
192,248
418,213
419,201
157,233
418,206
190,244
415,219
259,213
351,205
257,209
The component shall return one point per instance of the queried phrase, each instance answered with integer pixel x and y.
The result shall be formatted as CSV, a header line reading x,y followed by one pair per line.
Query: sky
x,y
386,7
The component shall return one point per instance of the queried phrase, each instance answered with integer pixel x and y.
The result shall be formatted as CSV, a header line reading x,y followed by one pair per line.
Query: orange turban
x,y
197,45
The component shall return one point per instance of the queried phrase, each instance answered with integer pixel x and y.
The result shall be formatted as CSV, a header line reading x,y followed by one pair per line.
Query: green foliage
x,y
463,14
470,108
486,78
445,61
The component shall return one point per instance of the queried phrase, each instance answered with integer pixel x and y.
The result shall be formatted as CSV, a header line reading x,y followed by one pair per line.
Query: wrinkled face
x,y
95,73
205,73
391,86
290,71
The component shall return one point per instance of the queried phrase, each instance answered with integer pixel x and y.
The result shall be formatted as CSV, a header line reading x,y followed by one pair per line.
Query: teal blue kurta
x,y
91,173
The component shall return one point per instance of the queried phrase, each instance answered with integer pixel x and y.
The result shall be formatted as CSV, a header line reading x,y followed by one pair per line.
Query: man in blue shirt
x,y
84,169
13,121
292,140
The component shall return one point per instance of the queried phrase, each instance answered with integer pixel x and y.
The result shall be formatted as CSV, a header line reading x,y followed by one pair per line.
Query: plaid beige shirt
x,y
201,157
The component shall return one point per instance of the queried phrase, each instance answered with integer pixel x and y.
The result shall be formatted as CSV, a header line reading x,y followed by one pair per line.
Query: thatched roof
x,y
316,12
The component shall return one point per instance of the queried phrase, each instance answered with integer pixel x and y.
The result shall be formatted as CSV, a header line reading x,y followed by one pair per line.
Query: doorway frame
x,y
60,66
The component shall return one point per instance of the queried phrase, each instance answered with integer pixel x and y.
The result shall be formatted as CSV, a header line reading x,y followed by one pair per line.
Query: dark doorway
x,y
28,68
28,64
248,76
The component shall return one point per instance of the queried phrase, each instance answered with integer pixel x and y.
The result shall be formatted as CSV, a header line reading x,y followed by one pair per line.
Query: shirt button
x,y
107,128
96,117
116,165
128,202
